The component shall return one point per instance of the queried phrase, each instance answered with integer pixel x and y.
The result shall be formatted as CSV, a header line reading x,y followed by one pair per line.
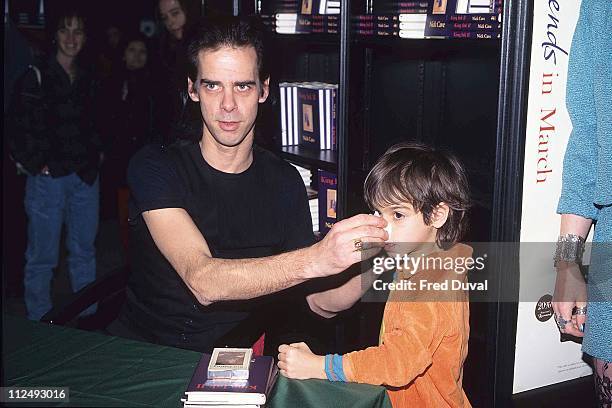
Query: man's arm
x,y
213,279
328,303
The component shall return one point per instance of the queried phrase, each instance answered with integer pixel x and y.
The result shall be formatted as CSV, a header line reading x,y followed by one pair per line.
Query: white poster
x,y
541,358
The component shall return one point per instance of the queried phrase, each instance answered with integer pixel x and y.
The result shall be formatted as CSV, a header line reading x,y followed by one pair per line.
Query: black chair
x,y
108,291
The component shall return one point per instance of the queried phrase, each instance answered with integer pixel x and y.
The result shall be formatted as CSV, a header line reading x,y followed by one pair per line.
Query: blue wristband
x,y
328,365
338,368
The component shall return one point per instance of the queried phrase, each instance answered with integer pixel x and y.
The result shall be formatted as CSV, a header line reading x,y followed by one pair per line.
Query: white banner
x,y
541,358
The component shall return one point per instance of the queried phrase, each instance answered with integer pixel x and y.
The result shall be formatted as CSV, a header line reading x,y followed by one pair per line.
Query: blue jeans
x,y
49,203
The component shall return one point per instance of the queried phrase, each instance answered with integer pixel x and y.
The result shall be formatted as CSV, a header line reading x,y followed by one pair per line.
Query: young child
x,y
423,195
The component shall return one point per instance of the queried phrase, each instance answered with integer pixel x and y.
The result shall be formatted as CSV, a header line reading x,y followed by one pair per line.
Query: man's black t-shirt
x,y
260,212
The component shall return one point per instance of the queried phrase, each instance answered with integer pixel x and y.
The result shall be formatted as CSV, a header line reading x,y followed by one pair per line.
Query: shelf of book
x,y
322,159
430,44
306,40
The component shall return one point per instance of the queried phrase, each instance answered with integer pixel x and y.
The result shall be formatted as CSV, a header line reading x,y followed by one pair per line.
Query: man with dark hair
x,y
220,222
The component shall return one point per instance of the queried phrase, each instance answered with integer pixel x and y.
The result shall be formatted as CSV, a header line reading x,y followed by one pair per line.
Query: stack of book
x,y
206,390
328,202
399,7
397,25
304,173
300,6
477,19
313,203
301,16
291,23
308,114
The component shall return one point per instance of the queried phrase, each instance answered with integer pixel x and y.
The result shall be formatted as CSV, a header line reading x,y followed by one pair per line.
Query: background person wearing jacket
x,y
54,142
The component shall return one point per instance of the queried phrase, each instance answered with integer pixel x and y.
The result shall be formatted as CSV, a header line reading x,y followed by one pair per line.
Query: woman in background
x,y
171,74
127,118
586,196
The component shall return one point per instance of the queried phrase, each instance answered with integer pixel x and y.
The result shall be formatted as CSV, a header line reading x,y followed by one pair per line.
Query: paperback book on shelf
x,y
404,25
328,201
313,202
293,23
308,114
392,6
204,391
478,19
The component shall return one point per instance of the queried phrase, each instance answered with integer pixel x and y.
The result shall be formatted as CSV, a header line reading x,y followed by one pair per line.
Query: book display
x,y
308,114
250,380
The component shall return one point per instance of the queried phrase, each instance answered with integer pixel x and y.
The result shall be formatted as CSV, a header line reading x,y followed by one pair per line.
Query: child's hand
x,y
295,360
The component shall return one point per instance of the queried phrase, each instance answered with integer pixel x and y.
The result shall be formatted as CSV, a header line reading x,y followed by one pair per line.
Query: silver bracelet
x,y
570,248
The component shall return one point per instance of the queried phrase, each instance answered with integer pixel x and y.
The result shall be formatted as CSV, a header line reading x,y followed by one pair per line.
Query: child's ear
x,y
193,93
440,215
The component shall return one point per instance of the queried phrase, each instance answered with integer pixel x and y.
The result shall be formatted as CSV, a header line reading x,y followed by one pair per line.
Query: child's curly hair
x,y
424,177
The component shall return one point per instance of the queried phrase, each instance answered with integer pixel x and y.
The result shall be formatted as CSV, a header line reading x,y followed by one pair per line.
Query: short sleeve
x,y
153,182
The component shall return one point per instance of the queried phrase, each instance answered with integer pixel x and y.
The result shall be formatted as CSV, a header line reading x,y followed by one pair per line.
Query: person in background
x,y
170,71
423,195
125,118
586,196
53,140
109,56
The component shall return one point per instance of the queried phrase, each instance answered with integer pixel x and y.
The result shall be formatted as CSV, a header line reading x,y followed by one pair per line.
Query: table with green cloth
x,y
106,371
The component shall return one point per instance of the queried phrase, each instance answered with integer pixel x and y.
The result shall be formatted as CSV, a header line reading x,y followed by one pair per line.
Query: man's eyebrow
x,y
237,83
242,83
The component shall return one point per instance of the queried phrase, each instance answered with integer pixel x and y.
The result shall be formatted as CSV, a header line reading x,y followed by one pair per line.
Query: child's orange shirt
x,y
423,345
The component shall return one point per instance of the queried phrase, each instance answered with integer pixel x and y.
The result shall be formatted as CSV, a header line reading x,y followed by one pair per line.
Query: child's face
x,y
407,229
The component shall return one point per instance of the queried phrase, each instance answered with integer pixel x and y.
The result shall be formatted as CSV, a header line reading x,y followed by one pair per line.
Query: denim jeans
x,y
49,203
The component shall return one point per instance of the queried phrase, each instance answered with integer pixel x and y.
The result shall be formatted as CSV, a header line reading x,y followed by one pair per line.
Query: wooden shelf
x,y
322,159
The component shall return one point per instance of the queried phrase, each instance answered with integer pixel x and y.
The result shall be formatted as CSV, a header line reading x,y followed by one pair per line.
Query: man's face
x,y
135,55
229,91
71,37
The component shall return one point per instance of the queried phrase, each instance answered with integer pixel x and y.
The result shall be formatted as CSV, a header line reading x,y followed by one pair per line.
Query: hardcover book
x,y
328,200
203,390
311,130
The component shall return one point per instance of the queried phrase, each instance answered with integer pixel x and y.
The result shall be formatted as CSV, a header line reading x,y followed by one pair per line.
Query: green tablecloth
x,y
107,371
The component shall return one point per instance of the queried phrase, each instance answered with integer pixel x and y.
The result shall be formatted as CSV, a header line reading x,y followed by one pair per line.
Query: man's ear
x,y
193,94
439,215
265,90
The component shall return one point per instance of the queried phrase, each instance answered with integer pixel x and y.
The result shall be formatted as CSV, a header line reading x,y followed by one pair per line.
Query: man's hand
x,y
295,360
570,292
337,251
